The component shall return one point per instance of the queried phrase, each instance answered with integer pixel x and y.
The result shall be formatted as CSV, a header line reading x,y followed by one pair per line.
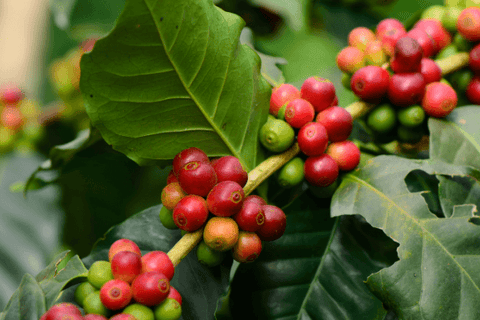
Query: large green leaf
x,y
27,303
436,276
295,12
171,75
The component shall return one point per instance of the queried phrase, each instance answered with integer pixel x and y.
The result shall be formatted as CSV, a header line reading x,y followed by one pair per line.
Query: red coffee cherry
x,y
390,38
11,94
299,112
174,294
439,99
190,213
254,198
225,199
58,310
126,265
374,54
197,178
370,83
406,89
337,121
115,294
360,37
436,31
350,59
281,95
430,71
312,139
473,90
171,177
407,56
250,217
468,23
172,194
12,118
345,153
321,171
150,288
93,316
424,40
386,25
319,92
123,245
158,261
247,248
335,102
474,59
274,225
229,168
186,156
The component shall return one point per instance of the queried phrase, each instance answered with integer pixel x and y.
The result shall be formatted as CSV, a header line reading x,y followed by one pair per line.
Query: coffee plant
x,y
246,160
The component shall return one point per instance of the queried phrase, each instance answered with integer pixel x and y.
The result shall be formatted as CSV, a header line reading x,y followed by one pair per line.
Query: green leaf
x,y
454,191
27,303
171,75
295,12
437,276
199,285
61,11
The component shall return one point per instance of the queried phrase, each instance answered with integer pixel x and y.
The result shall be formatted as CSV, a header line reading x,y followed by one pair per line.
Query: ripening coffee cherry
x,y
386,25
424,40
474,59
337,121
450,18
360,37
120,316
93,316
158,261
468,23
123,245
291,174
190,213
12,118
171,195
10,94
430,71
197,178
277,135
439,99
99,273
406,89
411,117
174,294
82,291
250,217
350,59
321,171
126,266
436,31
319,92
116,294
139,311
225,199
166,218
299,112
171,177
446,52
282,95
209,256
221,233
390,38
247,248
58,310
312,139
345,153
382,119
407,56
93,304
186,156
473,90
370,83
229,168
374,54
254,198
169,309
275,223
150,288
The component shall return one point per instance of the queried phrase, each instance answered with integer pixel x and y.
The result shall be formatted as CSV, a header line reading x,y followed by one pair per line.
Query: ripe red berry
x,y
350,59
281,95
158,261
58,310
115,294
12,118
197,178
225,199
299,112
126,265
468,23
424,40
250,217
407,57
321,171
337,121
406,89
11,94
335,102
275,223
439,99
254,198
474,59
312,139
186,156
386,25
436,31
319,92
190,213
360,37
171,177
247,248
370,83
229,168
93,316
430,71
345,153
390,38
123,245
150,288
174,294
473,90
172,194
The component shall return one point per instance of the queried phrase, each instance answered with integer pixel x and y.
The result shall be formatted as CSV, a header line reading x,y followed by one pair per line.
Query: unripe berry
x,y
171,195
123,245
247,248
412,116
126,266
158,261
430,71
169,309
82,291
275,223
439,100
291,174
312,139
197,178
360,37
374,54
299,112
225,199
468,23
221,233
254,198
321,170
424,40
166,218
382,119
12,118
150,288
370,83
345,153
229,168
350,59
250,217
99,273
337,121
406,89
186,156
407,57
282,95
277,135
190,213
116,294
139,311
473,90
319,92
209,256
93,304
474,59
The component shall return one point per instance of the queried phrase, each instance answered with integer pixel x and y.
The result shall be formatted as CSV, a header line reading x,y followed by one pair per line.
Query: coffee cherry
x,y
139,311
439,100
229,168
60,309
462,44
387,24
360,37
450,18
424,40
12,118
169,309
275,223
93,304
99,273
473,90
412,116
150,288
370,83
281,112
299,112
350,59
126,266
116,294
321,170
93,316
166,218
174,294
460,79
337,121
221,233
197,178
468,23
250,217
407,56
254,198
382,119
277,135
121,316
11,94
186,156
346,77
474,59
209,256
225,199
171,177
190,213
390,38
436,31
171,195
313,138
335,102
406,89
319,92
434,12
430,71
123,245
291,174
409,135
82,291
247,248
374,54
282,95
345,153
158,261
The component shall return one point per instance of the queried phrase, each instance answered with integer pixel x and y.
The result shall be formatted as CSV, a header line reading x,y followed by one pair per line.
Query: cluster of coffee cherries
x,y
321,128
209,193
127,287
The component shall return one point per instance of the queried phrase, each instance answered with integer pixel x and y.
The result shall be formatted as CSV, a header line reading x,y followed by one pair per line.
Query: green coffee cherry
x,y
93,304
455,3
412,116
166,218
99,273
277,135
346,80
409,135
208,256
446,52
434,12
281,112
450,18
292,173
169,309
382,119
443,80
461,78
139,311
82,291
461,43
